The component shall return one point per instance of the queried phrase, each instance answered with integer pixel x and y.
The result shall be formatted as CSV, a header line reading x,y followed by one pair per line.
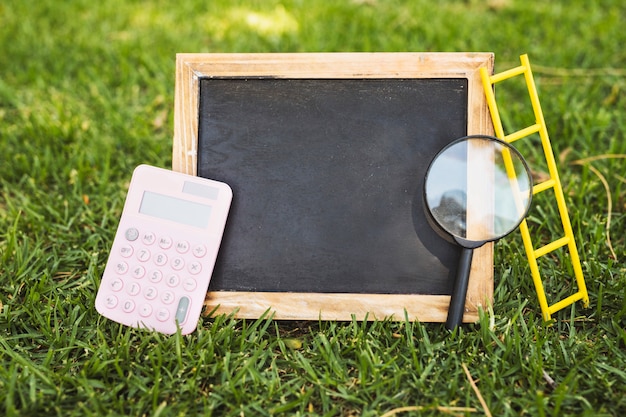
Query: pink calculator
x,y
164,251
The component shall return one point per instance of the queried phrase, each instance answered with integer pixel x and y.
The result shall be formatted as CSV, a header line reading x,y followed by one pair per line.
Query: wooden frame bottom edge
x,y
336,306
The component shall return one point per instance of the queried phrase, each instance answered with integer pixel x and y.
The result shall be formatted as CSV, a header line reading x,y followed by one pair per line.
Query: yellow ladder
x,y
552,183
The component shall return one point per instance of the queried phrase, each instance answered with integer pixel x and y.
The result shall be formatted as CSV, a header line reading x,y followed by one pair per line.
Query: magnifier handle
x,y
457,301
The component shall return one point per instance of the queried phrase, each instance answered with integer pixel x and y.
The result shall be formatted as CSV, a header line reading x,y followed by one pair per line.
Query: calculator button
x,y
148,238
139,272
128,306
178,264
165,242
150,293
143,255
134,288
195,268
110,301
126,251
131,234
190,284
160,259
121,268
155,276
167,297
199,251
181,311
182,246
173,280
145,310
117,284
162,314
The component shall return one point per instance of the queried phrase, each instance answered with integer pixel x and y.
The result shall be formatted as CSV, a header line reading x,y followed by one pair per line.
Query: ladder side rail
x,y
553,171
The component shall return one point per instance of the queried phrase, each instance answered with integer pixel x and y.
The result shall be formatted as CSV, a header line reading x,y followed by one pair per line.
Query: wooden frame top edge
x,y
336,64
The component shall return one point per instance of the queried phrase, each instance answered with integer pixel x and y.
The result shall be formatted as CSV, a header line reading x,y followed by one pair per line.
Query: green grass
x,y
86,93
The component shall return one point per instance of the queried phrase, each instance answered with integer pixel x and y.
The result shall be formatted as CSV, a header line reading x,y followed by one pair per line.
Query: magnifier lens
x,y
477,189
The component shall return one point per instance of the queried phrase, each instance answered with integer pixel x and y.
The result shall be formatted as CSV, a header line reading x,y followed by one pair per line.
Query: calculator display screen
x,y
175,209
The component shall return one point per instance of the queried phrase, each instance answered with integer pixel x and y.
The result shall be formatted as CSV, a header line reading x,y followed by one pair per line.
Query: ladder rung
x,y
551,246
527,131
565,302
542,186
507,74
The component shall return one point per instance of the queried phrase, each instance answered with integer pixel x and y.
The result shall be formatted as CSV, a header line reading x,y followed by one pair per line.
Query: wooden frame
x,y
191,68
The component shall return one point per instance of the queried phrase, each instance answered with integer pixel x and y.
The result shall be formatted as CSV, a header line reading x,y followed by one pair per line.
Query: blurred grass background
x,y
86,94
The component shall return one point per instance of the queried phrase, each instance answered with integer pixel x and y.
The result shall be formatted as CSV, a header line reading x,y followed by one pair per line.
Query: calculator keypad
x,y
154,276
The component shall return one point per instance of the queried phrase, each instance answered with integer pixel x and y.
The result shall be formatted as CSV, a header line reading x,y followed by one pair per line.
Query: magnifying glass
x,y
477,189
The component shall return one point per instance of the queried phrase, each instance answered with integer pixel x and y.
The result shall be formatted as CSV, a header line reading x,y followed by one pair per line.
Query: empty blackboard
x,y
326,156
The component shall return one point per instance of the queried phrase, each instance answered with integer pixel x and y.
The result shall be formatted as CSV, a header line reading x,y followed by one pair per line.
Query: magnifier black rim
x,y
468,243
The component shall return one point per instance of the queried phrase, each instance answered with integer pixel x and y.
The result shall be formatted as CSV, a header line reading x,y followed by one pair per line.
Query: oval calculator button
x,y
139,272
178,264
160,259
190,284
155,276
195,268
134,289
131,234
162,314
173,280
126,251
145,310
199,251
128,306
167,297
110,301
150,293
148,238
165,242
117,284
143,255
182,246
182,309
121,268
